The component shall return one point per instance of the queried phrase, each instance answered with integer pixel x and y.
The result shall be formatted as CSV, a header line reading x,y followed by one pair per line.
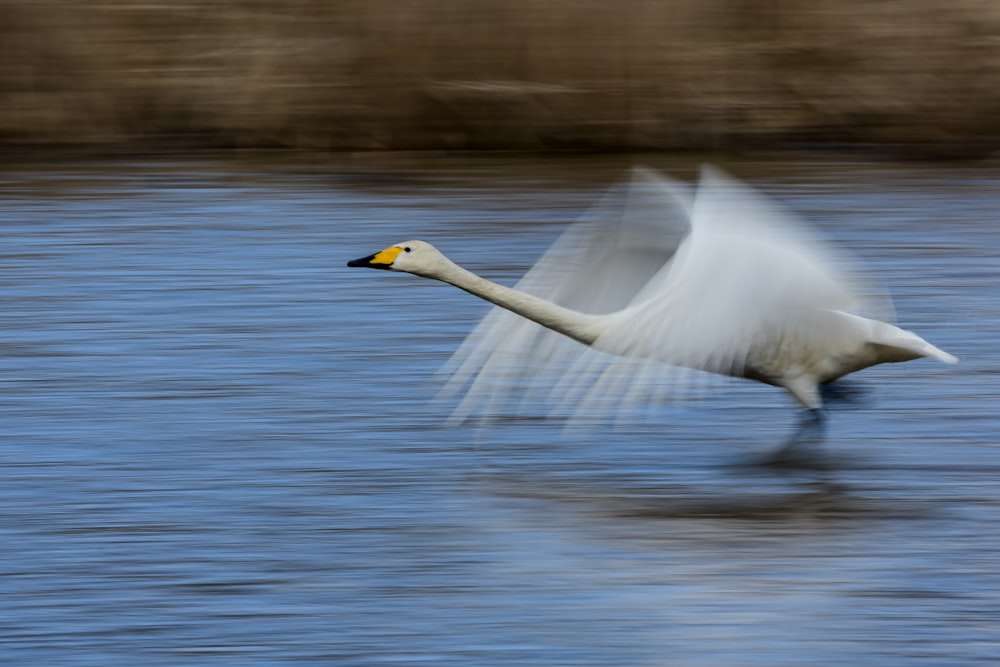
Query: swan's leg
x,y
806,391
801,450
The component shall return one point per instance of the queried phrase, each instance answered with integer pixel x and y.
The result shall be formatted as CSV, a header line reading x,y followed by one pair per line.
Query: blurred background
x,y
918,75
218,444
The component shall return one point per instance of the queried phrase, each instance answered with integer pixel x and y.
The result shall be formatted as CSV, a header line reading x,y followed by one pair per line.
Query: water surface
x,y
217,444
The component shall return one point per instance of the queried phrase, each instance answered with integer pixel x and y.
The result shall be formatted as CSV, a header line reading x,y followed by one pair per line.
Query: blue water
x,y
217,444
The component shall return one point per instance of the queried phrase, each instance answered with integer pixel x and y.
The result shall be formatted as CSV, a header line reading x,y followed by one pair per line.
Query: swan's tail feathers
x,y
929,350
907,345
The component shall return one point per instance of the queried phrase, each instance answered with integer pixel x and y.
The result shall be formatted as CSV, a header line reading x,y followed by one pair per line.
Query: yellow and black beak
x,y
380,260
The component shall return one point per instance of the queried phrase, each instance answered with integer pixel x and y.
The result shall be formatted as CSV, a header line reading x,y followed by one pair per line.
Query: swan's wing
x,y
749,277
597,266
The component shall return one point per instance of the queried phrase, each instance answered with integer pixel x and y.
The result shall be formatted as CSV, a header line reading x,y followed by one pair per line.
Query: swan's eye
x,y
406,249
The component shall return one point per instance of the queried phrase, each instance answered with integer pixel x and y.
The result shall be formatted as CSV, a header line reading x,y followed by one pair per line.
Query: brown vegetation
x,y
536,74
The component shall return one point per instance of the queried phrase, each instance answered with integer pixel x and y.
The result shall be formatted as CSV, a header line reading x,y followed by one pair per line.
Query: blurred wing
x,y
597,266
749,277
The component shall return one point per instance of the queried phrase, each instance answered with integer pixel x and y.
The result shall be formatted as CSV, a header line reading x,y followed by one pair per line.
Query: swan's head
x,y
417,257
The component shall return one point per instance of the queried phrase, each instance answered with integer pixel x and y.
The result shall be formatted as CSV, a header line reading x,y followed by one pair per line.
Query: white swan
x,y
724,282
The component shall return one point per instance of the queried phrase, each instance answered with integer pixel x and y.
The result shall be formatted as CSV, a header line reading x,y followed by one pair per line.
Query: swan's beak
x,y
380,260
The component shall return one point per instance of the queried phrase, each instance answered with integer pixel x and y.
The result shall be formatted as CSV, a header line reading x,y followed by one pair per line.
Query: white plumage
x,y
657,278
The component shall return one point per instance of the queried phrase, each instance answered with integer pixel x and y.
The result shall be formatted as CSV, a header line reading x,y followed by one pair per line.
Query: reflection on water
x,y
217,444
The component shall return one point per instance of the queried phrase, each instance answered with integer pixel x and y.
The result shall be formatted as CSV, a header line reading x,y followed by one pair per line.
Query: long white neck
x,y
578,326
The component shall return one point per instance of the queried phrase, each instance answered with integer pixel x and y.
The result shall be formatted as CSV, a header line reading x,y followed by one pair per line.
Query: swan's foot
x,y
802,451
842,393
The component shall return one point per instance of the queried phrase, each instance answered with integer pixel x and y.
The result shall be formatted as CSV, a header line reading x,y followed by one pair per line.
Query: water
x,y
217,446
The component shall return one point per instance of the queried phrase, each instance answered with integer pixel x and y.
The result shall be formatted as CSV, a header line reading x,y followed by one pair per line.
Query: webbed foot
x,y
802,450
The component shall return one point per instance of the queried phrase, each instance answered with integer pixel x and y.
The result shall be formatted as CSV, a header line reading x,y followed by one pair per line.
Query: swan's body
x,y
724,282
